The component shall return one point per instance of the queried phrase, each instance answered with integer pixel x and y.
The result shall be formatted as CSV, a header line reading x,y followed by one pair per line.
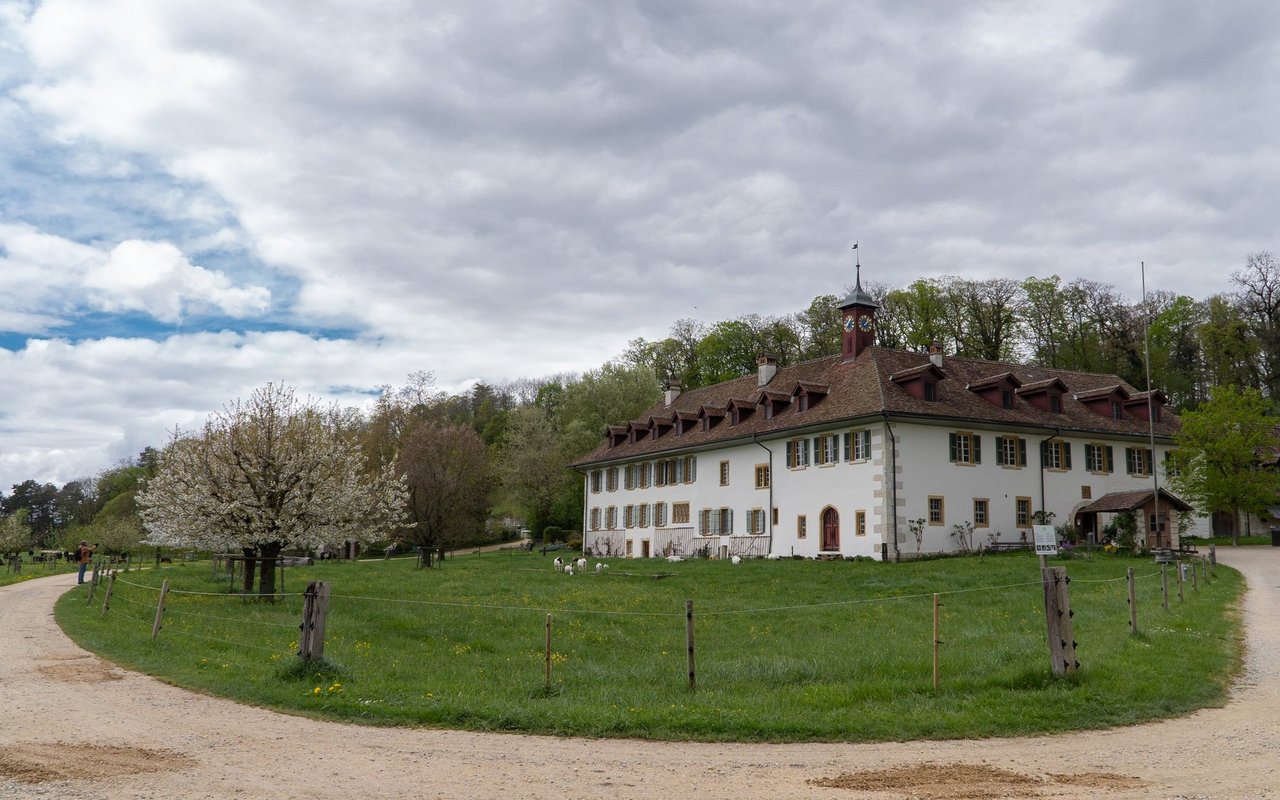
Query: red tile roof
x,y
861,390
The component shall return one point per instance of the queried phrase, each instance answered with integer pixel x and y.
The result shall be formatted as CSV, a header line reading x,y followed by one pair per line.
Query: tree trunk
x,y
249,566
1235,528
269,553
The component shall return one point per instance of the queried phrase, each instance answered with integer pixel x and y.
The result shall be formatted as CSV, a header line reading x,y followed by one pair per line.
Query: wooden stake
x,y
106,598
1195,577
1182,575
1164,585
548,668
315,610
688,637
1057,611
936,641
89,599
164,592
1133,602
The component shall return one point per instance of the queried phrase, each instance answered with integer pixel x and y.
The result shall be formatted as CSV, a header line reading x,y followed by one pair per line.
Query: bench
x,y
1000,547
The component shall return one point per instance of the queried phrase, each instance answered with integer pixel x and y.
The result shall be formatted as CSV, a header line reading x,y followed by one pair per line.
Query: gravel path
x,y
133,737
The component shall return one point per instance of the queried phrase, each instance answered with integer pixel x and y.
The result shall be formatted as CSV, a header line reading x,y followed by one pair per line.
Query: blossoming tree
x,y
266,474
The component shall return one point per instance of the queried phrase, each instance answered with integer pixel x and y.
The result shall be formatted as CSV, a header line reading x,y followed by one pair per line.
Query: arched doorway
x,y
830,530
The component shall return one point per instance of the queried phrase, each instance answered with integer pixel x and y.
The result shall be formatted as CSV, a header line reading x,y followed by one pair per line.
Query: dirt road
x,y
130,736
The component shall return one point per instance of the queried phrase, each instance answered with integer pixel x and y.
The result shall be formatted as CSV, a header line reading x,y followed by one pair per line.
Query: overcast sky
x,y
199,197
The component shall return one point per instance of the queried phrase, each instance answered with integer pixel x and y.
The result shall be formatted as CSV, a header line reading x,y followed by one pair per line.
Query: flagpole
x,y
1151,420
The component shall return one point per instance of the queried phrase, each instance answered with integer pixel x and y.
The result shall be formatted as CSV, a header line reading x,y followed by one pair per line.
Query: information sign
x,y
1046,540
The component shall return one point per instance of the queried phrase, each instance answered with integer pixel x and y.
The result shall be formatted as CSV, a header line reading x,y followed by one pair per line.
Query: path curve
x,y
207,747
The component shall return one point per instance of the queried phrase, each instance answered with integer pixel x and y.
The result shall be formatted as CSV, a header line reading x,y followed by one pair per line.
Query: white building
x,y
796,461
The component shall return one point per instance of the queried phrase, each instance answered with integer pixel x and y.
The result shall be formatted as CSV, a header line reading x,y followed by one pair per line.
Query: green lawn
x,y
786,650
32,570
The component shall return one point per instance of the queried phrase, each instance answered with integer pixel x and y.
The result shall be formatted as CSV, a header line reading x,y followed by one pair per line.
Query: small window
x,y
644,515
755,521
595,519
629,547
1055,404
629,516
936,511
762,476
611,479
596,481
797,453
857,445
1097,458
1117,411
930,391
724,473
659,515
646,472
1022,512
1086,492
773,518
825,449
802,526
1055,455
981,515
860,523
680,513
611,517
1006,398
631,476
1137,460
1011,451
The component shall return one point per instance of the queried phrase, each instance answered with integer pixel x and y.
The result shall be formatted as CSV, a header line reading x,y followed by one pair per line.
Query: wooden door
x,y
830,530
644,548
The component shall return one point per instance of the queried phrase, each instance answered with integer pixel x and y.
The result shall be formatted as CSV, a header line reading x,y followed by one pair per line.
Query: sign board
x,y
1046,540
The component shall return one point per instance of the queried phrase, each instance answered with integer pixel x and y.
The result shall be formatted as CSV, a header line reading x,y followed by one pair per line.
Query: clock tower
x,y
858,324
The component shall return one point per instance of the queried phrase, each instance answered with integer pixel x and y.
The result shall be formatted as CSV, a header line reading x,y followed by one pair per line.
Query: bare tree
x,y
446,470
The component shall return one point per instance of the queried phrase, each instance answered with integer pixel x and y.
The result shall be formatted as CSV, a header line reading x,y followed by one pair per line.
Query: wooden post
x,y
315,610
1182,576
688,637
1164,585
548,668
1195,577
936,641
89,598
1057,611
164,592
106,598
1204,565
1133,602
1213,557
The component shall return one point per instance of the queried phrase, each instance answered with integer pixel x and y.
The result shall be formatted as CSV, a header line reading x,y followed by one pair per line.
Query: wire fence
x,y
827,639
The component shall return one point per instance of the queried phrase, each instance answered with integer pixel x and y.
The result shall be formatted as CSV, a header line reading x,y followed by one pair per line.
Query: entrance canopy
x,y
1118,502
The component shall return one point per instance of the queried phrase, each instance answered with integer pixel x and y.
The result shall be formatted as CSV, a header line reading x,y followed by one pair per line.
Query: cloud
x,y
156,278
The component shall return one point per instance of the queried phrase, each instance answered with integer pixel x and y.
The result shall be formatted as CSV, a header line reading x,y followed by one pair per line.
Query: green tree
x,y
1221,450
446,471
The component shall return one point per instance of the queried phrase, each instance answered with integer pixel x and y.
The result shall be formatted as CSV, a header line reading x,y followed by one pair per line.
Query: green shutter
x,y
1066,455
977,449
951,442
1022,452
1000,451
791,454
848,447
1108,464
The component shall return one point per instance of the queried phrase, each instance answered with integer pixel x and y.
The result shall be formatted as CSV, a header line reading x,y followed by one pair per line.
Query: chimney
x,y
671,390
768,364
935,353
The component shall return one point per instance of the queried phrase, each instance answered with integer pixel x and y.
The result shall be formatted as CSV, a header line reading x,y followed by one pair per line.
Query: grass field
x,y
32,570
786,650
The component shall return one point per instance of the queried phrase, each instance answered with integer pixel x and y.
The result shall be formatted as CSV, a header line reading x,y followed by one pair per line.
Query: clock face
x,y
864,323
849,324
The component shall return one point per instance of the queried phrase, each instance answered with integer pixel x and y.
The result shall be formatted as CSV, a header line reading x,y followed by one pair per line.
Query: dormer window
x,y
1055,404
930,391
1045,395
1006,398
807,395
1117,411
921,381
998,390
1106,401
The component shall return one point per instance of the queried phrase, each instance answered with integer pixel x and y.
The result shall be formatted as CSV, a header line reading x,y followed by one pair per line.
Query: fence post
x,y
106,598
1213,557
936,640
1133,602
548,668
89,596
1057,611
315,609
1182,576
1204,565
164,592
1164,585
688,636
1195,577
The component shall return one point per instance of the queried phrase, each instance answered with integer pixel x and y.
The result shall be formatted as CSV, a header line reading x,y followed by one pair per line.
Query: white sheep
x,y
558,564
735,559
568,569
600,567
674,559
774,556
582,565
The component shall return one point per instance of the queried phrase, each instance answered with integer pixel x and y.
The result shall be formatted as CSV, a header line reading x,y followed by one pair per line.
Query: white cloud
x,y
156,278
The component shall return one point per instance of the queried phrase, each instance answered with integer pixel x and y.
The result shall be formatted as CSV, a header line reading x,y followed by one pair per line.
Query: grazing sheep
x,y
568,569
674,559
600,567
773,556
581,564
558,564
735,559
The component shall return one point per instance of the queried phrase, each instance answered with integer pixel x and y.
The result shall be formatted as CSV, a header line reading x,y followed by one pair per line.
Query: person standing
x,y
82,557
